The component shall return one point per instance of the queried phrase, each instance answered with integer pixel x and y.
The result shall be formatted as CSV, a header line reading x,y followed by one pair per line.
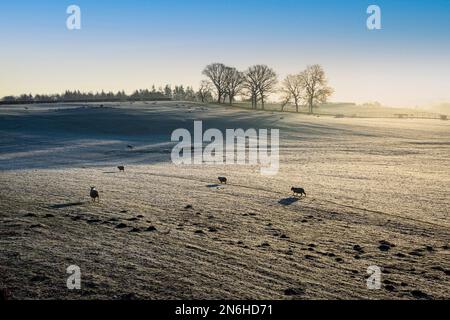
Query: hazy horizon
x,y
134,45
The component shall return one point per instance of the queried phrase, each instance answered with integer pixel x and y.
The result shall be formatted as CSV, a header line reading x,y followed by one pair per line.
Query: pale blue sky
x,y
134,44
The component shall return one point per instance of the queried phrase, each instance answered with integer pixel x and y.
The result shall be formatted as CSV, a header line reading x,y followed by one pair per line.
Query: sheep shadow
x,y
288,201
213,185
66,205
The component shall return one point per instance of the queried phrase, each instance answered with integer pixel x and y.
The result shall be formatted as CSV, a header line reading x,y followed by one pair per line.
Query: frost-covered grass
x,y
367,180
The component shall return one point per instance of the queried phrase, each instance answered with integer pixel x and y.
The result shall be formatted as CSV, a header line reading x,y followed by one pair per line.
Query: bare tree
x,y
260,80
315,84
251,84
204,90
216,73
267,82
293,90
234,80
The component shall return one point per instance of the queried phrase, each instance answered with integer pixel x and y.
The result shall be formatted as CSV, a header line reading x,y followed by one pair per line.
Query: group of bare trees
x,y
257,81
260,81
307,88
227,81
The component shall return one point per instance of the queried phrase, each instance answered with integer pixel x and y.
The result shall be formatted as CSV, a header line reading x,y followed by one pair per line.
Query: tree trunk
x,y
262,102
311,99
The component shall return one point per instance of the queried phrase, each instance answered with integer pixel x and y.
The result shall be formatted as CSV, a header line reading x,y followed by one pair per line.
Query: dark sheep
x,y
299,191
94,194
222,180
121,168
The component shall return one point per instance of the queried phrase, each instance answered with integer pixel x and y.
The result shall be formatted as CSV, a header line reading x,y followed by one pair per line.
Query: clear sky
x,y
134,44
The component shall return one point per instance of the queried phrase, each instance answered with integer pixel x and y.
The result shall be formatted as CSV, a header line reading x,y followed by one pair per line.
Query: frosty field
x,y
377,194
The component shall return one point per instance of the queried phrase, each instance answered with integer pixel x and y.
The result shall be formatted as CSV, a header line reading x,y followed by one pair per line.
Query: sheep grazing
x,y
121,168
94,194
299,191
222,180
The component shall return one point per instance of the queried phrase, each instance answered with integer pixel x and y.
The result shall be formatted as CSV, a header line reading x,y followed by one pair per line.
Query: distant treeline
x,y
160,94
223,84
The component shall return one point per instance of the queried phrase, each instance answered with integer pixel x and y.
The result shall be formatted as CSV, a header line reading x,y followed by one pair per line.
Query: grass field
x,y
377,194
357,111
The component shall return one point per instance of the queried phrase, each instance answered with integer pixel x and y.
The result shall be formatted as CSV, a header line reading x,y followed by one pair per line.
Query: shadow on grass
x,y
288,201
213,185
66,205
